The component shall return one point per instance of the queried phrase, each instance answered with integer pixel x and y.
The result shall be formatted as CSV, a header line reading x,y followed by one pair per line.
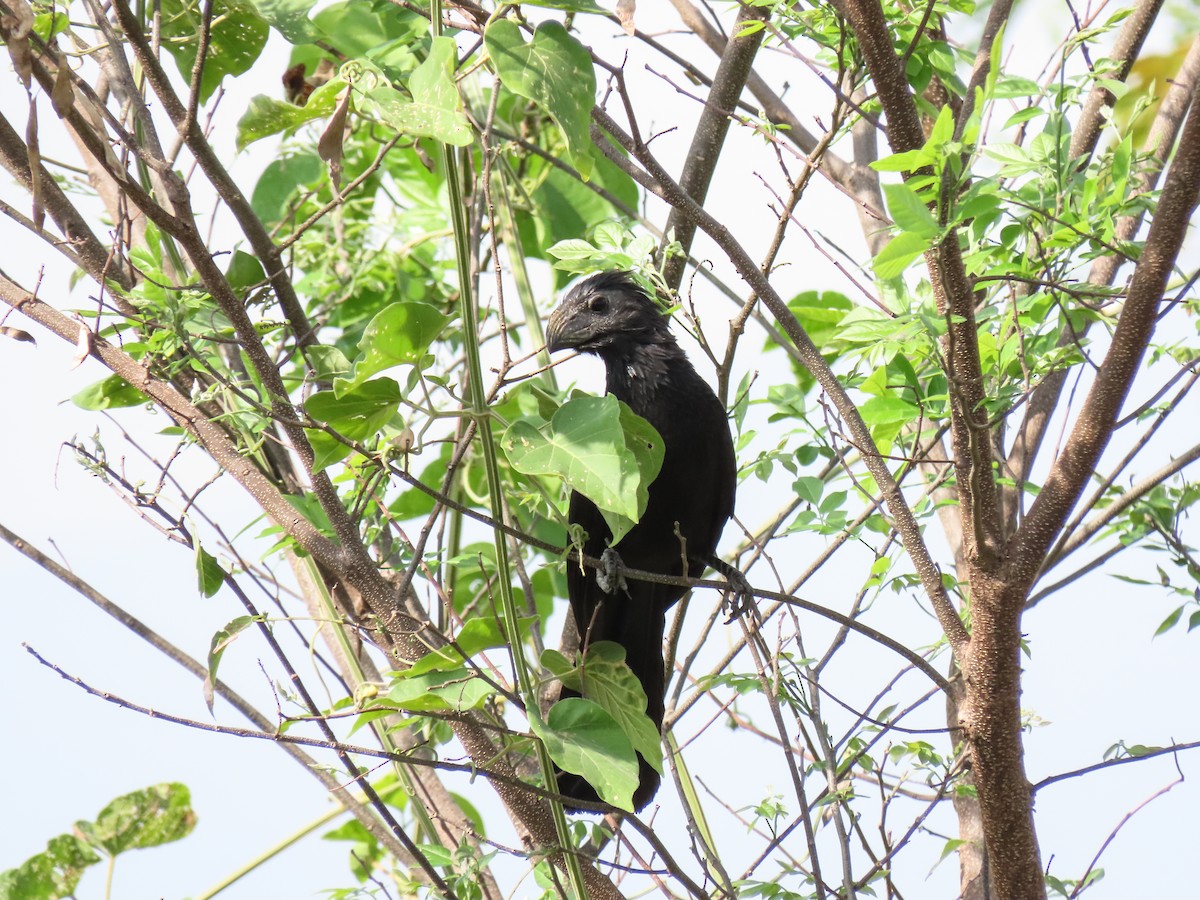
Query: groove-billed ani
x,y
689,502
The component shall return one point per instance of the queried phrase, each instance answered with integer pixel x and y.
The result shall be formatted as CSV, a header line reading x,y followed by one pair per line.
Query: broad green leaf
x,y
888,410
359,29
245,271
940,134
598,448
909,213
216,649
454,690
585,740
327,449
820,312
327,362
908,161
899,253
476,635
146,818
566,208
436,109
809,487
237,38
266,116
582,6
1009,87
605,679
279,181
553,70
290,18
52,874
109,393
398,334
209,573
357,413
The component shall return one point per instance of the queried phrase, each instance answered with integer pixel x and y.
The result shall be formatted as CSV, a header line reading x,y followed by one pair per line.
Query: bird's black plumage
x,y
611,316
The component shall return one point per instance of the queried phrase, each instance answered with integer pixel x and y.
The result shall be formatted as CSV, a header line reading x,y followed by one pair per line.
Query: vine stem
x,y
526,685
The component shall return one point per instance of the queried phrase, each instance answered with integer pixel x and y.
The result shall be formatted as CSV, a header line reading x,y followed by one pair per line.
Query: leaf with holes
x,y
605,679
554,71
436,109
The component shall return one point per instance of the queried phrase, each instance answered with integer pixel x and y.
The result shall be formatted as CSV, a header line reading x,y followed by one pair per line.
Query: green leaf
x,y
820,312
809,488
327,449
399,333
216,649
146,818
327,362
909,213
454,690
245,271
599,448
266,116
582,6
210,576
604,678
888,409
52,874
360,412
476,635
899,253
1170,621
109,393
290,18
358,30
237,37
908,161
553,70
585,740
436,109
143,819
279,181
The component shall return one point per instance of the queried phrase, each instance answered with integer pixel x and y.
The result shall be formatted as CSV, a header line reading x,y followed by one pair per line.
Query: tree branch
x,y
1094,426
705,151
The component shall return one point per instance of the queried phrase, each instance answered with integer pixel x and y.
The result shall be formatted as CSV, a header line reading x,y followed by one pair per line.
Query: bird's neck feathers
x,y
637,372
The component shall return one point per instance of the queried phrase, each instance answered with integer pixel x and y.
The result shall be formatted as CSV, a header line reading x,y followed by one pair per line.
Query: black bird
x,y
611,316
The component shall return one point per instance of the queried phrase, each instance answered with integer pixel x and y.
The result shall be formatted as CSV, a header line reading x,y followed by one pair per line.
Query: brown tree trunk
x,y
991,716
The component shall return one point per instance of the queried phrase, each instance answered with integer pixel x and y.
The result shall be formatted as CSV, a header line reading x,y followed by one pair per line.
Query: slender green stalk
x,y
526,685
333,617
512,240
704,833
271,852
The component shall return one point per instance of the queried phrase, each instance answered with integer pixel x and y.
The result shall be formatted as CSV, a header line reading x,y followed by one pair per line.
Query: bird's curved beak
x,y
558,333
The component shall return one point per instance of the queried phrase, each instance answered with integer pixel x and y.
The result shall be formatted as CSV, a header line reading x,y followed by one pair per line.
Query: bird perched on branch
x,y
689,503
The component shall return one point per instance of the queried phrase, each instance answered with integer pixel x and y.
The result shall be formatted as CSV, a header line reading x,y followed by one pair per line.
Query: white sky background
x,y
1096,673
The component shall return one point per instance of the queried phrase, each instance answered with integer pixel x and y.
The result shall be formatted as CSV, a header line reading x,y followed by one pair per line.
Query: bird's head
x,y
605,314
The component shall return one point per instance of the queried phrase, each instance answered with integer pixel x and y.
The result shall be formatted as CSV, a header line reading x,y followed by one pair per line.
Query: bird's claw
x,y
608,576
739,595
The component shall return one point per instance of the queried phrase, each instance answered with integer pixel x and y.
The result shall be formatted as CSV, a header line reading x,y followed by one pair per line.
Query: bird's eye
x,y
598,303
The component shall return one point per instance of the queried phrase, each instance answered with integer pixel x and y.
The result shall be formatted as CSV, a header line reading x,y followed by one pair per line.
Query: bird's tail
x,y
641,635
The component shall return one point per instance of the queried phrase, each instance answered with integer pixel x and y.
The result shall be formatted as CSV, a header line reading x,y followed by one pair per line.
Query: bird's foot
x,y
609,576
739,595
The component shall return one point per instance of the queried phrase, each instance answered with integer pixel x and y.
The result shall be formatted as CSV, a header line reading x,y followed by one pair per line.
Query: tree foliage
x,y
353,335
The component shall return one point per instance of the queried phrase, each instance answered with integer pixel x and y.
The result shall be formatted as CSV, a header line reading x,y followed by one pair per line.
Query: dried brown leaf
x,y
83,344
16,23
625,10
331,146
35,167
17,334
62,95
